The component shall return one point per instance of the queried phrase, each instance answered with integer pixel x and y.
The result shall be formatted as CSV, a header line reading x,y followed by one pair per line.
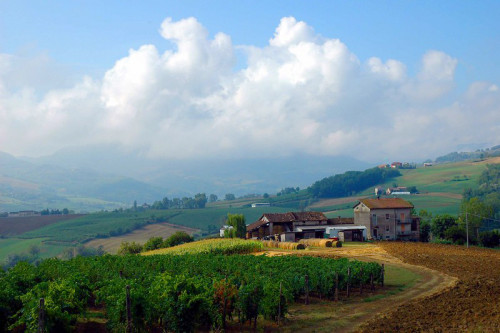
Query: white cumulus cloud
x,y
300,93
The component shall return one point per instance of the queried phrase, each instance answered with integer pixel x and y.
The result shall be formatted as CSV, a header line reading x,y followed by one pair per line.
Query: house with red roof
x,y
387,219
292,226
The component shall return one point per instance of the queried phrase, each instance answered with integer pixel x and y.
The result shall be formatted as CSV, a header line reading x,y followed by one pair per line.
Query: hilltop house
x,y
387,218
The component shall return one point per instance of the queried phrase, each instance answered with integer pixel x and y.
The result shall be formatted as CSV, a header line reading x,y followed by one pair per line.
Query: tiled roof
x,y
310,216
279,217
386,203
287,217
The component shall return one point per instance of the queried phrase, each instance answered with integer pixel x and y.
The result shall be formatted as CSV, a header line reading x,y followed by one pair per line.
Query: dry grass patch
x,y
165,230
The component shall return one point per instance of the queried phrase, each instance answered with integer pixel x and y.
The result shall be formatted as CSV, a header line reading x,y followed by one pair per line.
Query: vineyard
x,y
171,292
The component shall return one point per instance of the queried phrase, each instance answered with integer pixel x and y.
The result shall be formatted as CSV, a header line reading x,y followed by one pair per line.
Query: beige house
x,y
387,219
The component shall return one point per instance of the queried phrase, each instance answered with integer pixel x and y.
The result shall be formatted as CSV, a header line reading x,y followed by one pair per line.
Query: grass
x,y
22,246
439,178
97,225
397,279
202,218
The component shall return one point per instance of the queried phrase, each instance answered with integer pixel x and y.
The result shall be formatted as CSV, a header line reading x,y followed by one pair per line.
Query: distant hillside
x,y
180,178
26,185
465,156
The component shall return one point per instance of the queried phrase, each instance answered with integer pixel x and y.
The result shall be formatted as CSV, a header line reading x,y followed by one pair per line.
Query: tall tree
x,y
472,213
212,198
237,221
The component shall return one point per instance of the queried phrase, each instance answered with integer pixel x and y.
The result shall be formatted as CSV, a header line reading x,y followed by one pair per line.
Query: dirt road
x,y
350,315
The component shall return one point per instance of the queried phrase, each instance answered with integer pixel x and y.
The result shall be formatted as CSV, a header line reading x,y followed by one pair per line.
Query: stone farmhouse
x,y
387,219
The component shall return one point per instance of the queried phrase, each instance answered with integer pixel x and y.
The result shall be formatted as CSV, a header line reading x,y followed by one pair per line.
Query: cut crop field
x,y
141,235
472,304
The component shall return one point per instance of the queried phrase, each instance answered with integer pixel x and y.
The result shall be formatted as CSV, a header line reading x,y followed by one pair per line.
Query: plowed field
x,y
471,305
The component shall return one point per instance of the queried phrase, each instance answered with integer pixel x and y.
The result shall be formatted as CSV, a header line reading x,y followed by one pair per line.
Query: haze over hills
x,y
93,178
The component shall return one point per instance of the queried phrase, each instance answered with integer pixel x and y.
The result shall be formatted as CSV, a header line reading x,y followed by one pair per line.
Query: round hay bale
x,y
337,244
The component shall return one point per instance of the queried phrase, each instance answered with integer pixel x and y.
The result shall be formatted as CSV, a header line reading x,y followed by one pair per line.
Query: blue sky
x,y
94,34
60,42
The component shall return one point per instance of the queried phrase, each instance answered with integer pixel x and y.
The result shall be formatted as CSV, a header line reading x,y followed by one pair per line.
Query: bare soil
x,y
470,305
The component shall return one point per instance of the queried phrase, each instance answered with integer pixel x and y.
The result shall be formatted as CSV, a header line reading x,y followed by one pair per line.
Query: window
x,y
386,216
387,228
402,217
374,219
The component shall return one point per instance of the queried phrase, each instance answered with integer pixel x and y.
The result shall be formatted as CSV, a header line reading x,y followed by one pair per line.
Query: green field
x,y
54,238
447,177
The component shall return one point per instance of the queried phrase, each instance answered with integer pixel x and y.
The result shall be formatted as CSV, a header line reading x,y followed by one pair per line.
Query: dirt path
x,y
349,315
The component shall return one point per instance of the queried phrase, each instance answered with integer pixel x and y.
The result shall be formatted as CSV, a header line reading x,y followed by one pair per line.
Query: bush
x,y
456,234
153,243
180,237
130,248
490,238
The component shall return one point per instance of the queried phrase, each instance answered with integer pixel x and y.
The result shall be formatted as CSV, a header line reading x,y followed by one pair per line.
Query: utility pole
x,y
467,227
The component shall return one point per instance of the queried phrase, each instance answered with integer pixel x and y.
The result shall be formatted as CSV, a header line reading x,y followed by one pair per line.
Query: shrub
x,y
490,238
456,234
180,237
153,243
130,248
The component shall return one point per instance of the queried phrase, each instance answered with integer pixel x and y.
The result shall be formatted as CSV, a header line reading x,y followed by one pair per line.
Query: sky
x,y
376,80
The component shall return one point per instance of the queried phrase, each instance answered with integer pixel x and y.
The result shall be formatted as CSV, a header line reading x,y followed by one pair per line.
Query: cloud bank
x,y
302,93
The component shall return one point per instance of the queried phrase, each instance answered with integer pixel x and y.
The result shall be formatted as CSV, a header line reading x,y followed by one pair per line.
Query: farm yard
x,y
427,287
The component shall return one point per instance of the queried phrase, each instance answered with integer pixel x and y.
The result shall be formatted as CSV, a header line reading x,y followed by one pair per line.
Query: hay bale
x,y
284,245
337,244
318,242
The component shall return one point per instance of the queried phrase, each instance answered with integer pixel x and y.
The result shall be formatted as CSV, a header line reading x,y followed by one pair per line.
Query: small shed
x,y
352,233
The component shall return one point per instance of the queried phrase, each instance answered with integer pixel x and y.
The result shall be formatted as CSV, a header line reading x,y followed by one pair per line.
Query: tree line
x,y
350,182
478,219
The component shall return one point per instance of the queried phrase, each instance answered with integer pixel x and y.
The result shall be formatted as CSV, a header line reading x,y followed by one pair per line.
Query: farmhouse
x,y
223,229
396,190
292,226
387,218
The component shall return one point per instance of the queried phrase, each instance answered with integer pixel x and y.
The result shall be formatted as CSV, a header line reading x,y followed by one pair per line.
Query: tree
x,y
441,223
200,200
229,197
472,213
212,198
425,230
237,221
265,196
